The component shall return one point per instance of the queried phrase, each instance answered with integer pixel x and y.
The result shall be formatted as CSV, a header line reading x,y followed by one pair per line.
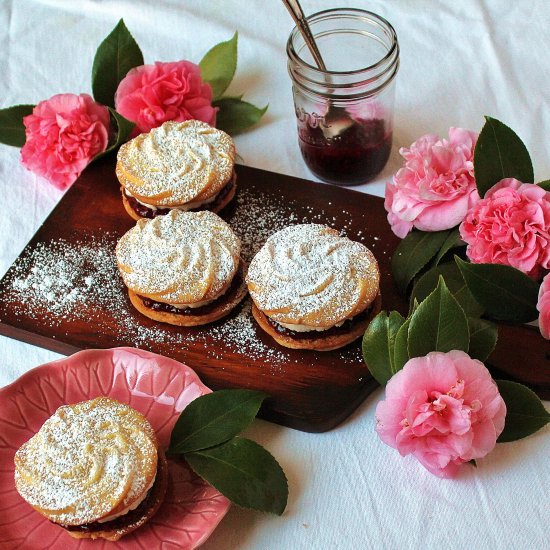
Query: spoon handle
x,y
296,12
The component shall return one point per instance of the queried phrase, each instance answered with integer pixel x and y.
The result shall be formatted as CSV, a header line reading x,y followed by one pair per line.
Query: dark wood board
x,y
310,391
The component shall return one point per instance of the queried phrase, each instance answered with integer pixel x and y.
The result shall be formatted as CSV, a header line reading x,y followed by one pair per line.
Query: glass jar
x,y
345,114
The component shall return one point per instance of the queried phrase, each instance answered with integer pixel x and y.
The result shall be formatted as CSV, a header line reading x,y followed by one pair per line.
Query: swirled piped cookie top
x,y
180,258
309,275
176,163
88,461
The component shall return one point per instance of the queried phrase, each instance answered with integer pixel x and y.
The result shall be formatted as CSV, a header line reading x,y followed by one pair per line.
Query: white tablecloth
x,y
460,61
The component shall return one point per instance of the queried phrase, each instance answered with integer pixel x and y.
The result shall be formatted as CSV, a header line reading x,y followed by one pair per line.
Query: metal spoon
x,y
337,120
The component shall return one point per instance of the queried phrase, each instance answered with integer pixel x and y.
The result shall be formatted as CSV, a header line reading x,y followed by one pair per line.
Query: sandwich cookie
x,y
183,268
94,468
180,165
314,289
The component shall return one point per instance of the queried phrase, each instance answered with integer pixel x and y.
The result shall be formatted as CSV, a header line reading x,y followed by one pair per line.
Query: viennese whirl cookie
x,y
183,268
179,165
312,288
94,468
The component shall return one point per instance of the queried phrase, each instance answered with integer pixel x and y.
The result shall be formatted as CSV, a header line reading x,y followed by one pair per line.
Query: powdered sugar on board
x,y
60,281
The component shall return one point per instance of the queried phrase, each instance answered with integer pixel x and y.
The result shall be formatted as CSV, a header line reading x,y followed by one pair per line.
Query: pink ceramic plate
x,y
158,387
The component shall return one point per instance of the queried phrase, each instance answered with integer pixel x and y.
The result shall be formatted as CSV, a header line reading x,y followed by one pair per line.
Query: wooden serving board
x,y
63,293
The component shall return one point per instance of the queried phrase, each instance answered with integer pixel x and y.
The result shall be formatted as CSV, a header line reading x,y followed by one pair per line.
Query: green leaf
x,y
12,129
439,324
116,55
378,345
401,346
505,293
219,64
124,128
483,338
499,154
454,281
525,414
413,253
450,242
213,419
544,184
245,473
236,116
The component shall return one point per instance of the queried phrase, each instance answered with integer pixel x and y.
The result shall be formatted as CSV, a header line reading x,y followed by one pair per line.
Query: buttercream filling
x,y
307,328
342,327
132,506
200,304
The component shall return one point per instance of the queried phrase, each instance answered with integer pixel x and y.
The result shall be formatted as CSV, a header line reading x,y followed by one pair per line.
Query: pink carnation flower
x,y
510,226
63,134
543,305
152,94
436,186
444,408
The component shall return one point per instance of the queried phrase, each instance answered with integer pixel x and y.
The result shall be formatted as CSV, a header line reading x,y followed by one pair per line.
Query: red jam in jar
x,y
354,154
344,105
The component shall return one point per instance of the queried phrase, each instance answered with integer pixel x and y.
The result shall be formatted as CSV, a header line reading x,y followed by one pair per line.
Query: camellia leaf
x,y
12,129
245,473
124,128
213,419
413,253
505,293
483,338
378,345
499,154
454,281
525,414
116,55
451,241
544,184
439,324
401,346
236,116
219,64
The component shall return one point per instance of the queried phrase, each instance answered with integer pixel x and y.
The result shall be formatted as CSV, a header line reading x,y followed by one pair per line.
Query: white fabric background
x,y
460,61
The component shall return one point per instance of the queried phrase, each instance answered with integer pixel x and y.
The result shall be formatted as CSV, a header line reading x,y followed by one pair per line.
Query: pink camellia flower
x,y
436,186
543,305
510,226
152,94
443,408
63,134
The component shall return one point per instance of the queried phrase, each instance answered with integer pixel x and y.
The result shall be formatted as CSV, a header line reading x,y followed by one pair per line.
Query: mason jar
x,y
345,114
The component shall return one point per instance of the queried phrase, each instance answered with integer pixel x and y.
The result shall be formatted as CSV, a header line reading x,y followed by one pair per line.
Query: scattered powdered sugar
x,y
257,217
58,282
58,279
241,332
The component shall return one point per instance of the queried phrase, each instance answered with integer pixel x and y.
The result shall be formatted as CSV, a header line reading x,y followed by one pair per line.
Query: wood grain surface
x,y
310,391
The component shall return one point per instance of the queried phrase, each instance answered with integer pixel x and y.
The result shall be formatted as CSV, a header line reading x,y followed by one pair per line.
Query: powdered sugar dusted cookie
x,y
183,268
307,280
179,165
90,463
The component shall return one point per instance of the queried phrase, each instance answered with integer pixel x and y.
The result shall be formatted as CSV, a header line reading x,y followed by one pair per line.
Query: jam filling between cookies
x,y
122,522
118,523
146,212
228,296
347,326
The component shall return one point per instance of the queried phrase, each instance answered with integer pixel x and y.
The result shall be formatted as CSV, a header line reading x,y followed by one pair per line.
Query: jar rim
x,y
329,14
